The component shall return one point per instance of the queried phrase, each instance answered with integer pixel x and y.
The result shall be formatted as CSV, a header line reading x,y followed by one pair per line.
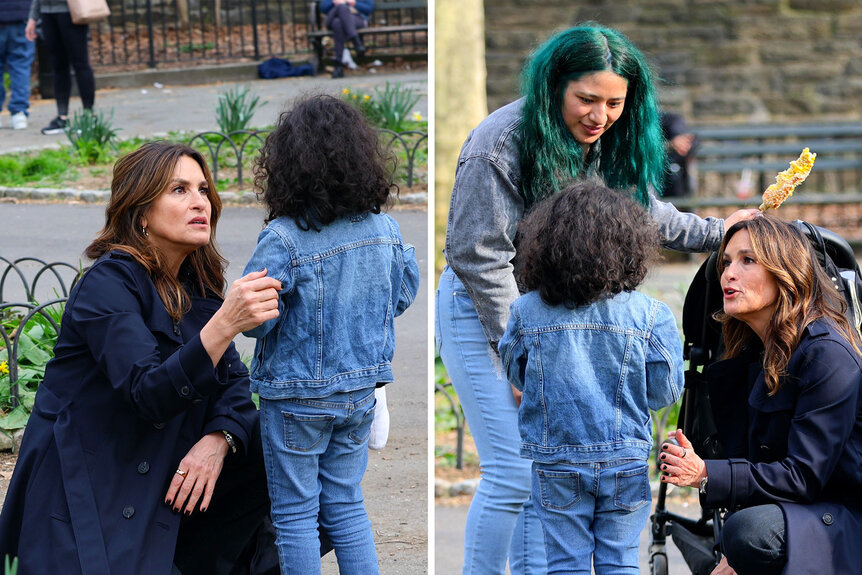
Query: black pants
x,y
343,24
235,535
67,43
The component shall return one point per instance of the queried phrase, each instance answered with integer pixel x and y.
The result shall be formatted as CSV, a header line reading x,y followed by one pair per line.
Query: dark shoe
x,y
57,126
360,47
338,72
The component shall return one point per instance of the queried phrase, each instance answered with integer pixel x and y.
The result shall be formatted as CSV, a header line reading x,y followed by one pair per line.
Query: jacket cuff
x,y
195,377
728,480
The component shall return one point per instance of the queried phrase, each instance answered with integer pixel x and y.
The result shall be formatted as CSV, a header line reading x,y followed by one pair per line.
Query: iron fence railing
x,y
234,152
23,282
157,32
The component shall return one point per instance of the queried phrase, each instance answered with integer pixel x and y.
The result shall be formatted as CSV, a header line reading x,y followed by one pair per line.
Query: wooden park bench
x,y
394,29
733,160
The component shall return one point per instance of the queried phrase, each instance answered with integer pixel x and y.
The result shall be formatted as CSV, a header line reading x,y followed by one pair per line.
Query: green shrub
x,y
36,342
10,171
10,568
236,108
395,104
92,135
43,165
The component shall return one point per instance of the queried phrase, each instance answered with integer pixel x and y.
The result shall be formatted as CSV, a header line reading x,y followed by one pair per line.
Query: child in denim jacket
x,y
591,357
345,274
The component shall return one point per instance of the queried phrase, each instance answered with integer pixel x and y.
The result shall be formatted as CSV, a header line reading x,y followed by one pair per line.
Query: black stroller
x,y
696,538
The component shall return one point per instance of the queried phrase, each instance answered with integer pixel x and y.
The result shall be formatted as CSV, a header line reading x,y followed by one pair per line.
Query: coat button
x,y
185,390
159,425
143,467
128,511
827,518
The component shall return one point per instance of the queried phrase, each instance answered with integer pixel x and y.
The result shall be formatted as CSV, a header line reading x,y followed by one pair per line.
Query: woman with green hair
x,y
589,110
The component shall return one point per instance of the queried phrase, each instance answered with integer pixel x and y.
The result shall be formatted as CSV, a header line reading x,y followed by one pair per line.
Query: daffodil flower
x,y
417,116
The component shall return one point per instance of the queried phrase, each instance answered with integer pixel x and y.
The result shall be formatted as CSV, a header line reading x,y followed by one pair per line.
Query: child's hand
x,y
517,395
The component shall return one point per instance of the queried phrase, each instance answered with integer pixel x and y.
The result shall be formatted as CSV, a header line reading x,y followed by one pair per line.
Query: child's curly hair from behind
x,y
585,243
323,161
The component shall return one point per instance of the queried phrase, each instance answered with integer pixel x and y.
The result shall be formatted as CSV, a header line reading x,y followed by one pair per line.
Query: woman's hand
x,y
723,568
251,300
30,30
739,215
679,463
197,473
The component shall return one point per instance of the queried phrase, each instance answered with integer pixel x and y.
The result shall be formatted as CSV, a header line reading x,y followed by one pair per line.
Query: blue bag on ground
x,y
281,68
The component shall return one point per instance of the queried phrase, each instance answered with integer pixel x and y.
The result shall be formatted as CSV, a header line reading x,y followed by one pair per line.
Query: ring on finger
x,y
684,452
182,473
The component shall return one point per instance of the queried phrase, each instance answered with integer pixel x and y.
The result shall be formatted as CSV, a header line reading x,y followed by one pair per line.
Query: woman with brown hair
x,y
788,409
142,453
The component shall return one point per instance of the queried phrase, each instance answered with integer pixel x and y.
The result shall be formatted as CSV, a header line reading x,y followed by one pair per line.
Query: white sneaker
x,y
347,60
19,121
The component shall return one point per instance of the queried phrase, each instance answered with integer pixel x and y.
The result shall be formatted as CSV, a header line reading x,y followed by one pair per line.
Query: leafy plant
x,y
92,135
363,102
10,568
236,108
36,340
395,104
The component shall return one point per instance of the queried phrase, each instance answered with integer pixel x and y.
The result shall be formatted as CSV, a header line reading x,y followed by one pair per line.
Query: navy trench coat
x,y
126,396
800,449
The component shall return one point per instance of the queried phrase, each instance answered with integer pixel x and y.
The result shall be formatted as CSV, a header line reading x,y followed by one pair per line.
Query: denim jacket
x,y
341,289
590,375
486,207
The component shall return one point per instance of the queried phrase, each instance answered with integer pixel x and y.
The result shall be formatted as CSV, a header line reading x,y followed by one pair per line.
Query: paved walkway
x,y
155,110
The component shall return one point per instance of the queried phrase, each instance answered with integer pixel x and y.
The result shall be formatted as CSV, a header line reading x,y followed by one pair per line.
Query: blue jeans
x,y
316,452
16,52
502,522
592,512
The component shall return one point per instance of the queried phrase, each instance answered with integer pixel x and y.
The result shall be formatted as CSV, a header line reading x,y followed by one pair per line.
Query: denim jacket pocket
x,y
632,488
306,432
559,489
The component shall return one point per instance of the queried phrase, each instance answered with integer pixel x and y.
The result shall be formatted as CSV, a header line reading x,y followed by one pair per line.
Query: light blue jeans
x,y
592,512
16,52
502,522
316,452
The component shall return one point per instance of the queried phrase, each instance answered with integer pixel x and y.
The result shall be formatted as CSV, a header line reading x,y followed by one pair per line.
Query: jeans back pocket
x,y
632,488
559,489
307,432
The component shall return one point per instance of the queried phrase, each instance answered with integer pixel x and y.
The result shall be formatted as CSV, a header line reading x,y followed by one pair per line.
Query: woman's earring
x,y
145,232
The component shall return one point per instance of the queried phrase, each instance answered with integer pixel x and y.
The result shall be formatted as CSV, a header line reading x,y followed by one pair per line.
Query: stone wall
x,y
720,61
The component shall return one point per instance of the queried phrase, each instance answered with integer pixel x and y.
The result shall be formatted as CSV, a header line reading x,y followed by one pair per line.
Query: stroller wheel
x,y
658,564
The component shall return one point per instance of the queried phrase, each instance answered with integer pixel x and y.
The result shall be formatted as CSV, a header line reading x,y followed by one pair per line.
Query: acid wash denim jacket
x,y
486,207
590,375
342,287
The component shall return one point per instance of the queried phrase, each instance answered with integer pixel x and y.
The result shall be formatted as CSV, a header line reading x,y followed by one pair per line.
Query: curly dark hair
x,y
321,162
585,243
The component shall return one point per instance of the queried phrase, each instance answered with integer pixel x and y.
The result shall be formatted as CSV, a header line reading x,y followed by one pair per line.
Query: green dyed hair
x,y
633,154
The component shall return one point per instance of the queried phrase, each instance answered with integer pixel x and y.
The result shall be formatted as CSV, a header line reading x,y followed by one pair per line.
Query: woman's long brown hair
x,y
139,178
805,293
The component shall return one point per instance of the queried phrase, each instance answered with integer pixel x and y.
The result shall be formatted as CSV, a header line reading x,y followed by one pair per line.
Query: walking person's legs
x,y
495,531
74,37
17,52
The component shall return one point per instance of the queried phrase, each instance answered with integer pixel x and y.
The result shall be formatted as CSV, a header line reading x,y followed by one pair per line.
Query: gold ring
x,y
684,452
181,473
